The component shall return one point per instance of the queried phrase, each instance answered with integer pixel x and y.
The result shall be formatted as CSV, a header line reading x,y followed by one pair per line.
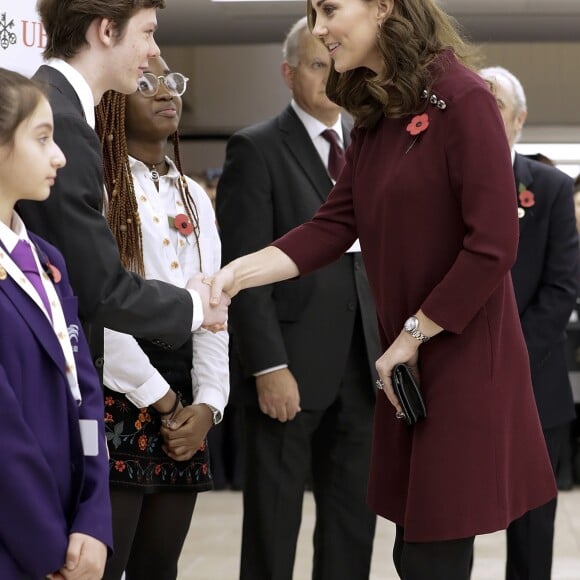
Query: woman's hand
x,y
405,349
220,283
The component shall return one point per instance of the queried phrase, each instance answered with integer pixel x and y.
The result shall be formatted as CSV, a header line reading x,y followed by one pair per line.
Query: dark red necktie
x,y
22,256
336,156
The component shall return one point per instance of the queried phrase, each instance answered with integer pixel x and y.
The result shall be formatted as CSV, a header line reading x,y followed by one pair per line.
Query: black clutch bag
x,y
409,394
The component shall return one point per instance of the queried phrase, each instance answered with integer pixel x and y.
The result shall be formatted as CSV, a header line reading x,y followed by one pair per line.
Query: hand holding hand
x,y
215,312
220,282
187,432
278,395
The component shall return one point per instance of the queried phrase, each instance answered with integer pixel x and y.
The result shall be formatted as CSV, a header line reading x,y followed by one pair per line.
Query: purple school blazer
x,y
48,487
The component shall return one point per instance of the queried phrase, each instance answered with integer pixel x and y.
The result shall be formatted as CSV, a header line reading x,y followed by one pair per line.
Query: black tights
x,y
447,560
148,533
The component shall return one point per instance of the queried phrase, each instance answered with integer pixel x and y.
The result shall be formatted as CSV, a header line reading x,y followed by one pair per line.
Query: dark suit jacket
x,y
49,489
72,220
545,281
274,180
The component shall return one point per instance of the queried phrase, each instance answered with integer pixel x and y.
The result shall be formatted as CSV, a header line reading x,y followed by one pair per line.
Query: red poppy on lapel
x,y
54,273
525,196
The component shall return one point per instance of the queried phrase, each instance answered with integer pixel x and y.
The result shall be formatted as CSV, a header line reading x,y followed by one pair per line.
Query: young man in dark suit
x,y
94,46
306,348
545,281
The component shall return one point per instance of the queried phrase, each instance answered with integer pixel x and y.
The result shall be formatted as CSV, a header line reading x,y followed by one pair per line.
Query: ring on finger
x,y
380,385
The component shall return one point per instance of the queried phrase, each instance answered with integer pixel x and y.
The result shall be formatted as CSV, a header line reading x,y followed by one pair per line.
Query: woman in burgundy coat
x,y
428,188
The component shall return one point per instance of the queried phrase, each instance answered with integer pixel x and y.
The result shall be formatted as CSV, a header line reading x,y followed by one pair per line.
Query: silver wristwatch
x,y
411,326
216,415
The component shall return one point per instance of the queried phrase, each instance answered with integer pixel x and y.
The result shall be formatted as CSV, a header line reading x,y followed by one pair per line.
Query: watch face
x,y
411,324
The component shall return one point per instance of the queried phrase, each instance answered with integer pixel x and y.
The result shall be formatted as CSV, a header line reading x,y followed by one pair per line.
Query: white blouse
x,y
171,257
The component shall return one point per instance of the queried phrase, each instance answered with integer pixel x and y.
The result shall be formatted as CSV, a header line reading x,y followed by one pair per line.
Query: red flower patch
x,y
418,124
183,224
54,273
526,198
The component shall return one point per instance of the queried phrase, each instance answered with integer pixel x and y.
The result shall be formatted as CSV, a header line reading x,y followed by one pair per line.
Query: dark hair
x,y
123,211
66,21
409,40
19,98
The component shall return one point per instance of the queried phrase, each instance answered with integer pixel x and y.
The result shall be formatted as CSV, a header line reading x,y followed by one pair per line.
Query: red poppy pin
x,y
54,273
418,124
525,196
182,224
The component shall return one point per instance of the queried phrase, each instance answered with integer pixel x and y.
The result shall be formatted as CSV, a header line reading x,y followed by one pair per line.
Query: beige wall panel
x,y
235,86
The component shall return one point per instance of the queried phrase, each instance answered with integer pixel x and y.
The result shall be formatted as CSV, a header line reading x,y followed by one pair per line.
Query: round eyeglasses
x,y
174,82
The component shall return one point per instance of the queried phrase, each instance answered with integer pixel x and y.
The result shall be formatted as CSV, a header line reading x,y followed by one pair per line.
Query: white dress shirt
x,y
171,257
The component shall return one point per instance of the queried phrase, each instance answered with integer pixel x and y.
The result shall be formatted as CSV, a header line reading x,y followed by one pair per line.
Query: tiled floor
x,y
212,550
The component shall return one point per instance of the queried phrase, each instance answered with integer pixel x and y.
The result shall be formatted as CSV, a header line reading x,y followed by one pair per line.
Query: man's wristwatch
x,y
411,327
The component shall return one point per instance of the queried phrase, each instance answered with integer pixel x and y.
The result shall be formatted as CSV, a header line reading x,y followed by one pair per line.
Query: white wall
x,y
22,36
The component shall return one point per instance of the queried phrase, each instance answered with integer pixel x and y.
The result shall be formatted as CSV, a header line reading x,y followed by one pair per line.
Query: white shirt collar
x,y
513,153
9,236
138,166
79,84
313,126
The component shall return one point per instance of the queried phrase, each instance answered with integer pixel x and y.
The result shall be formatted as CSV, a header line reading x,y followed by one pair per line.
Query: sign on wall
x,y
22,36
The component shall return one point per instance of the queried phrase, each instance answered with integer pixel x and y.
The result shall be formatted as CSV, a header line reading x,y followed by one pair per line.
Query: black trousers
x,y
333,445
148,533
530,539
447,560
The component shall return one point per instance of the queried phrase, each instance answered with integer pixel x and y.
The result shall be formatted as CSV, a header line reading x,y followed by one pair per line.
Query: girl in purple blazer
x,y
56,515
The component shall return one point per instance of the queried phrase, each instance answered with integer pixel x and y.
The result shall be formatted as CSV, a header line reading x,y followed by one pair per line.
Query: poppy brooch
x,y
526,200
418,124
182,224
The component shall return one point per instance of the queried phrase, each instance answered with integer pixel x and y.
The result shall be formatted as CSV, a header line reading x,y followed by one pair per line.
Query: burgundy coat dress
x,y
438,226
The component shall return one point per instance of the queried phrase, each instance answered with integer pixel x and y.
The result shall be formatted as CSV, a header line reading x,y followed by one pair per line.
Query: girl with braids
x,y
165,229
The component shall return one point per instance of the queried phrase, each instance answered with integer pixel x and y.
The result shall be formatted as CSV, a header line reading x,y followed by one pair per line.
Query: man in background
x,y
306,348
545,281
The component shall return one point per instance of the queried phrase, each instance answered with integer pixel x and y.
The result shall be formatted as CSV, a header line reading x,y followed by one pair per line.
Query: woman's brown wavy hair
x,y
409,40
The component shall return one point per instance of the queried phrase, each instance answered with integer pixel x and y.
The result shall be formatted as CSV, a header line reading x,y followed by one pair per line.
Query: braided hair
x,y
123,211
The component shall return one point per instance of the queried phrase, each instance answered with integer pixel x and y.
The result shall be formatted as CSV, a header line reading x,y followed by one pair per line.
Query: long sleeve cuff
x,y
149,392
197,318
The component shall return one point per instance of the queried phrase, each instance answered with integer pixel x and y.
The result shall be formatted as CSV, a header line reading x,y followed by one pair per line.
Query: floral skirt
x,y
133,437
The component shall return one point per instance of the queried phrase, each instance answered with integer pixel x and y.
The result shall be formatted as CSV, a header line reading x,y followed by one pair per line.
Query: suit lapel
x,y
32,314
300,146
523,176
47,75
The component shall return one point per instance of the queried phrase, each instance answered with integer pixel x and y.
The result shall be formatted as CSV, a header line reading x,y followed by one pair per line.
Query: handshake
x,y
215,302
